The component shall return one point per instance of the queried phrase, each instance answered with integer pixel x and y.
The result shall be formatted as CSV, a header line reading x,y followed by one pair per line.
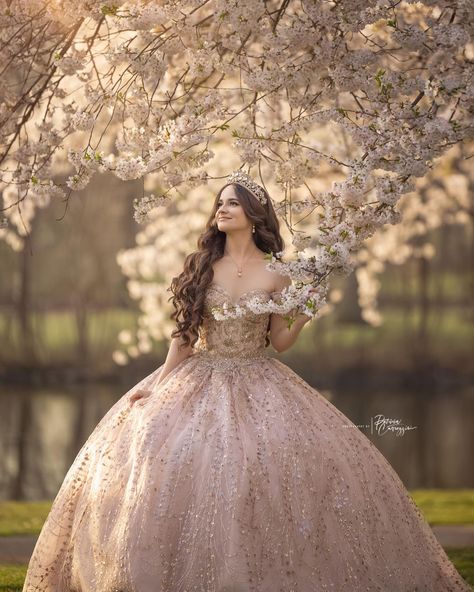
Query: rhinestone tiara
x,y
243,179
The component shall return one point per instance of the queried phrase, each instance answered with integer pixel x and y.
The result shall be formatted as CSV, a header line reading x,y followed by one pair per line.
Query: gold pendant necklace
x,y
239,269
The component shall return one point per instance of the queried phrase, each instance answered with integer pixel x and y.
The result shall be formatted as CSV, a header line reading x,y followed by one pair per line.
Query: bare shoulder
x,y
277,280
280,281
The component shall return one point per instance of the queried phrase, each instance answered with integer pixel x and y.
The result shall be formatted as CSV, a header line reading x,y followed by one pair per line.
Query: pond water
x,y
426,437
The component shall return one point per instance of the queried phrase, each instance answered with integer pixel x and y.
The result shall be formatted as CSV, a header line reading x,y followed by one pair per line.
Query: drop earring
x,y
253,228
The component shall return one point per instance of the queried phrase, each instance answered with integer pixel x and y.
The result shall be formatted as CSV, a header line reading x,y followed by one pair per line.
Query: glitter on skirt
x,y
234,475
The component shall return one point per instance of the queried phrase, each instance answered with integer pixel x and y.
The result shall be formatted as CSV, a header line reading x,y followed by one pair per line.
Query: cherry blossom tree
x,y
364,94
443,197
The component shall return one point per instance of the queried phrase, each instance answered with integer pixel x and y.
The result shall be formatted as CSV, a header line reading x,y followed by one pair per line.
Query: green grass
x,y
441,506
455,285
391,345
56,336
451,325
463,560
438,506
56,332
19,518
12,576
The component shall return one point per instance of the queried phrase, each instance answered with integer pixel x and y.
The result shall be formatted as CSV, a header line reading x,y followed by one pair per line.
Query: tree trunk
x,y
24,304
348,311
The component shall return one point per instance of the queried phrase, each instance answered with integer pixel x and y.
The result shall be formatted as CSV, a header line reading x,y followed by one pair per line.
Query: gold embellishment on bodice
x,y
243,337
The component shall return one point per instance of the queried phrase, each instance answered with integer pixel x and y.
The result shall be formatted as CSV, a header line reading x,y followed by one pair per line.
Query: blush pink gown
x,y
234,475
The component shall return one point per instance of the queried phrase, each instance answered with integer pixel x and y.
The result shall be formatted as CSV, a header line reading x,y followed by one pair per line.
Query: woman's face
x,y
230,215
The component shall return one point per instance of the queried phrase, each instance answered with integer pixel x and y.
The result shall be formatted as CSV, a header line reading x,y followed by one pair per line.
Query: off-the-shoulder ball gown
x,y
234,475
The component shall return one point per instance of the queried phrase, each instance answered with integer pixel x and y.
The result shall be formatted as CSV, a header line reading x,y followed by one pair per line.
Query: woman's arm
x,y
282,337
175,356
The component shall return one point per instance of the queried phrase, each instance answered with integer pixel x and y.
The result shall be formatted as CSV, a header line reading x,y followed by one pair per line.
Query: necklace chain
x,y
239,269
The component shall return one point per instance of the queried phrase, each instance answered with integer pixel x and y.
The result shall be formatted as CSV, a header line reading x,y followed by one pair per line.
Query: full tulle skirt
x,y
234,476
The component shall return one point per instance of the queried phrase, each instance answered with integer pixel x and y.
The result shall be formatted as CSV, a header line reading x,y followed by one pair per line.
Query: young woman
x,y
223,470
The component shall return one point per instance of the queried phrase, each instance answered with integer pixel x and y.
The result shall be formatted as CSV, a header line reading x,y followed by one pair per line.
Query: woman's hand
x,y
139,394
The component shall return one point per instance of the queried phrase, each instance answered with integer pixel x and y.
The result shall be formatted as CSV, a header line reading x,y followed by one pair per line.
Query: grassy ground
x,y
13,576
445,506
21,518
463,560
56,337
437,506
393,343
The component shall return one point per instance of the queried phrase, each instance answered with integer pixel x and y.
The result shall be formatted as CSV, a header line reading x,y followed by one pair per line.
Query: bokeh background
x,y
83,318
68,314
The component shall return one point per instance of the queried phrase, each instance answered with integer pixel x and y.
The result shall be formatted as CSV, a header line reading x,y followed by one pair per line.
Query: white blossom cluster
x,y
144,205
443,197
364,94
150,266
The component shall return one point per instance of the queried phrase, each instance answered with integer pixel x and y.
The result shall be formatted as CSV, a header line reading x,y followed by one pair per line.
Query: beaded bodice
x,y
243,337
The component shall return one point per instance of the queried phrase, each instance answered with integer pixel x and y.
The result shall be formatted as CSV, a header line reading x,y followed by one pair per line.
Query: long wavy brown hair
x,y
190,286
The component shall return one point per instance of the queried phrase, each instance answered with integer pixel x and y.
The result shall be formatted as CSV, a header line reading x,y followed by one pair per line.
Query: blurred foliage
x,y
65,300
